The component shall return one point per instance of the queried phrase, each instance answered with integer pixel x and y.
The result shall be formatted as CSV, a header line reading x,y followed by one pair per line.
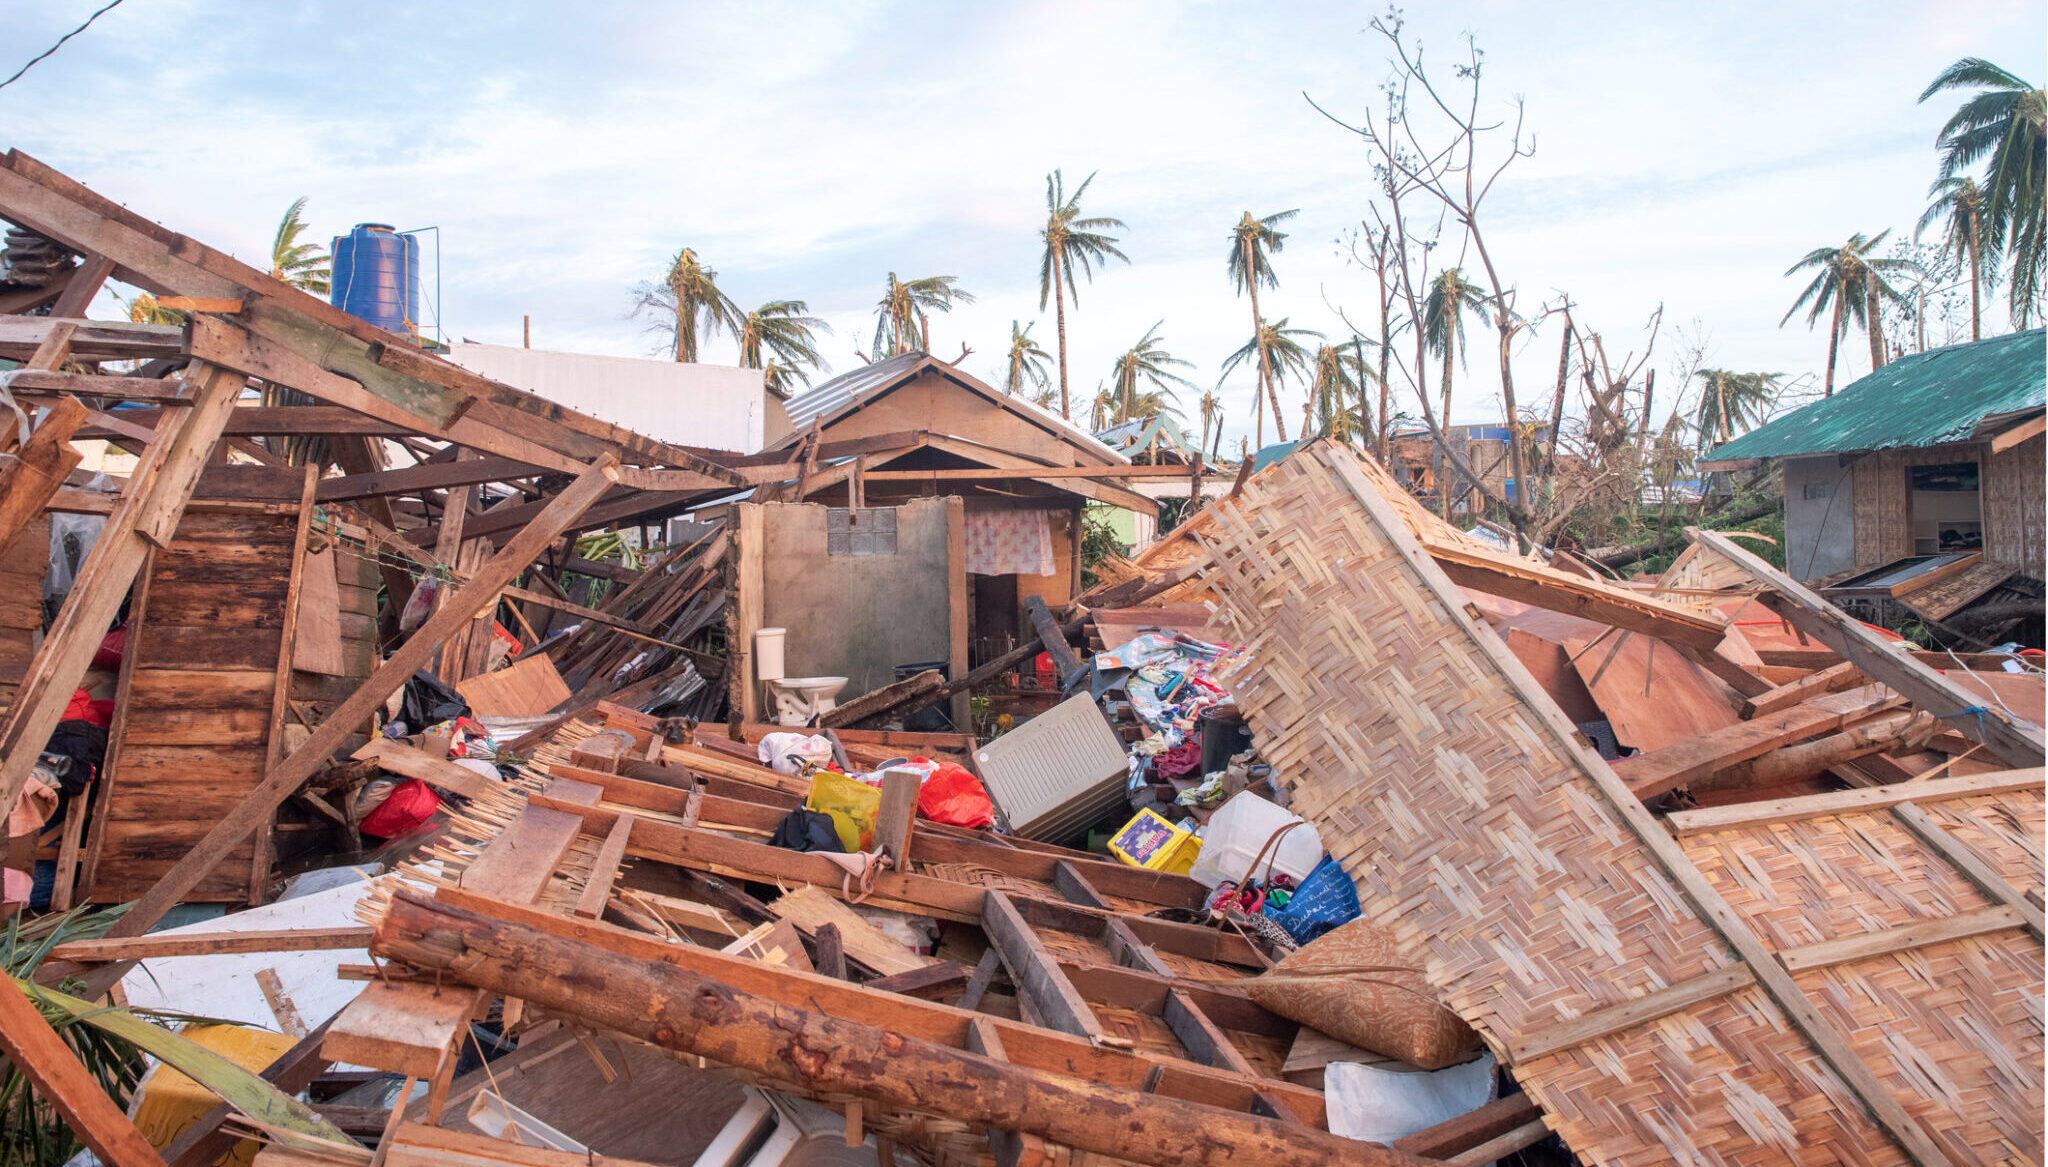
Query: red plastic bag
x,y
84,708
952,795
409,805
112,645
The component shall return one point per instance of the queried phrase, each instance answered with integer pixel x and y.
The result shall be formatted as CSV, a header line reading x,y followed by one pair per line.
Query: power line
x,y
112,4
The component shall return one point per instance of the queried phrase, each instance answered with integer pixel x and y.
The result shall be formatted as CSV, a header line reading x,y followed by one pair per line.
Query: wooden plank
x,y
37,469
427,476
1468,1130
1065,663
2016,743
91,340
210,944
1828,1040
1576,595
276,744
527,688
598,890
1629,1014
441,773
157,492
1659,771
896,821
943,974
401,1027
1200,1035
1783,810
1828,680
63,1081
810,909
1965,859
1069,882
815,1011
1902,938
884,699
1037,975
349,716
2011,436
34,383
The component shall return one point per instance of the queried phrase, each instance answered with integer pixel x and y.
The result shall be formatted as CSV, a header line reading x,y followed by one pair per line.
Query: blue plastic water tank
x,y
376,277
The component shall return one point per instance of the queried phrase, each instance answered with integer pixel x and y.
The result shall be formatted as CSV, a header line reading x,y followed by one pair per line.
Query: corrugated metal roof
x,y
843,392
1921,399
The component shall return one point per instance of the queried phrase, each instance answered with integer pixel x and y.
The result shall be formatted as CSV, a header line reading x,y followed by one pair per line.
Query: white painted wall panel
x,y
716,406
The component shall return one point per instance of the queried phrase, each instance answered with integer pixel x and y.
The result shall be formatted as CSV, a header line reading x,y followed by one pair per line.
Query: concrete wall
x,y
859,616
715,406
1820,517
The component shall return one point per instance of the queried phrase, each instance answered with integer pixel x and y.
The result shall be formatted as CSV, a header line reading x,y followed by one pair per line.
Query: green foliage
x,y
787,332
302,265
901,324
688,305
1250,242
1098,542
31,1133
2003,127
1282,348
1731,403
1071,240
1026,365
1147,363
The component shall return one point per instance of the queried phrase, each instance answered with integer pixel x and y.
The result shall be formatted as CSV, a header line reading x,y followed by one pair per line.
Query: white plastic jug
x,y
1238,831
768,653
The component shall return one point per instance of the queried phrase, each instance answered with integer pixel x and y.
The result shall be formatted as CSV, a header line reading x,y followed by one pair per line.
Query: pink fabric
x,y
15,886
1009,542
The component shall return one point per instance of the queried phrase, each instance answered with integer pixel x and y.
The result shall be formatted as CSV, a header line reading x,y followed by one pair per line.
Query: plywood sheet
x,y
527,688
316,642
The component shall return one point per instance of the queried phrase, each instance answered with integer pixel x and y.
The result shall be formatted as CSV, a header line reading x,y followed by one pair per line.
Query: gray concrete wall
x,y
1820,517
857,616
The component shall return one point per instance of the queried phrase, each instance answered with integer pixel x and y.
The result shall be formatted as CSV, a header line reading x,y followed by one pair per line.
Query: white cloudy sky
x,y
1687,152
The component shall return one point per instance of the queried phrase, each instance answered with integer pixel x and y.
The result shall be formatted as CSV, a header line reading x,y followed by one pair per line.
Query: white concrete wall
x,y
715,406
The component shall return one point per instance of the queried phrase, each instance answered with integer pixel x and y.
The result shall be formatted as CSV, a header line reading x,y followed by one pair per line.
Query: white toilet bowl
x,y
799,699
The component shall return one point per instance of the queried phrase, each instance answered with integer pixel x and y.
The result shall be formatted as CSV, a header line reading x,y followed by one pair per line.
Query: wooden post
x,y
687,1011
147,515
63,1081
897,820
349,716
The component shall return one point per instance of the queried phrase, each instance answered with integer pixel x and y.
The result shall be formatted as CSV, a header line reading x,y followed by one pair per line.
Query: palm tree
x,y
302,265
1249,267
1335,382
1146,362
1212,410
2006,123
1959,207
1450,296
1070,240
787,331
1101,408
1851,281
901,323
689,304
144,309
1026,363
1279,351
1731,403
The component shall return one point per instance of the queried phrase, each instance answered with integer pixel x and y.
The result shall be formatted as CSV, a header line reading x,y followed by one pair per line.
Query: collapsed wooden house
x,y
1600,821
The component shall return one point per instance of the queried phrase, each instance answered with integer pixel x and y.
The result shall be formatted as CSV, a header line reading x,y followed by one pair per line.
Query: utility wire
x,y
112,4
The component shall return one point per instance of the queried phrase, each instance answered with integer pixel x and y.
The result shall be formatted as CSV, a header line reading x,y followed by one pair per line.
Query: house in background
x,y
865,448
1922,480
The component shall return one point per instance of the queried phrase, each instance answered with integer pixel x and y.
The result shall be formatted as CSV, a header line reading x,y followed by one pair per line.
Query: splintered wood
x,y
1536,893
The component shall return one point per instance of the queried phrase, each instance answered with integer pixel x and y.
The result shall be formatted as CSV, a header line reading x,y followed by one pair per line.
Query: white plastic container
x,y
768,653
1238,831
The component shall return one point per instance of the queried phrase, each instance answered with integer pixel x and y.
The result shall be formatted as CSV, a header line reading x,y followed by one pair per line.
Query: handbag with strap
x,y
1325,900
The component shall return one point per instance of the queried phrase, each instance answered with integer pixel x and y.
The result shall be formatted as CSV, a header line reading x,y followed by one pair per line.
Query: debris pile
x,y
1345,835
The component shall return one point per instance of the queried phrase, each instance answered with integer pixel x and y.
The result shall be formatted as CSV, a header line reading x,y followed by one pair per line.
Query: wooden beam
x,y
883,700
2017,743
63,1081
1659,771
37,470
653,992
1629,1014
896,822
1973,866
597,890
1576,595
212,304
146,516
2011,436
171,391
1828,680
1053,638
93,340
1038,977
84,287
1036,473
1468,1130
1785,810
349,716
1901,938
211,944
426,476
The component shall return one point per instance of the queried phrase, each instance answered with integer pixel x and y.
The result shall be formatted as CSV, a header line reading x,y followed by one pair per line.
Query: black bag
x,y
806,830
428,702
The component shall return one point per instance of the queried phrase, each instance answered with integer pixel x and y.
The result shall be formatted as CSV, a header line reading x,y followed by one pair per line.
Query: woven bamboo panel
x,y
1953,1029
1482,839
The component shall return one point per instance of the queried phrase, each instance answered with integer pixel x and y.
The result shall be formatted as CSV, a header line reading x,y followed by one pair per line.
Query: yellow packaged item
x,y
853,805
168,1101
1149,841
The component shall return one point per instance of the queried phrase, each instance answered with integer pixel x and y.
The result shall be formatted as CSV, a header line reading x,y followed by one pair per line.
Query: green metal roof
x,y
1921,399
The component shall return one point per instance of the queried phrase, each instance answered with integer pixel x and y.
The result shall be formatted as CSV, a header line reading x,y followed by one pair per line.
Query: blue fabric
x,y
1326,899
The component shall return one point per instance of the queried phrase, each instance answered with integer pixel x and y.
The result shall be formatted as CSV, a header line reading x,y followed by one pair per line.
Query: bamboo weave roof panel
x,y
1953,1029
1478,834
